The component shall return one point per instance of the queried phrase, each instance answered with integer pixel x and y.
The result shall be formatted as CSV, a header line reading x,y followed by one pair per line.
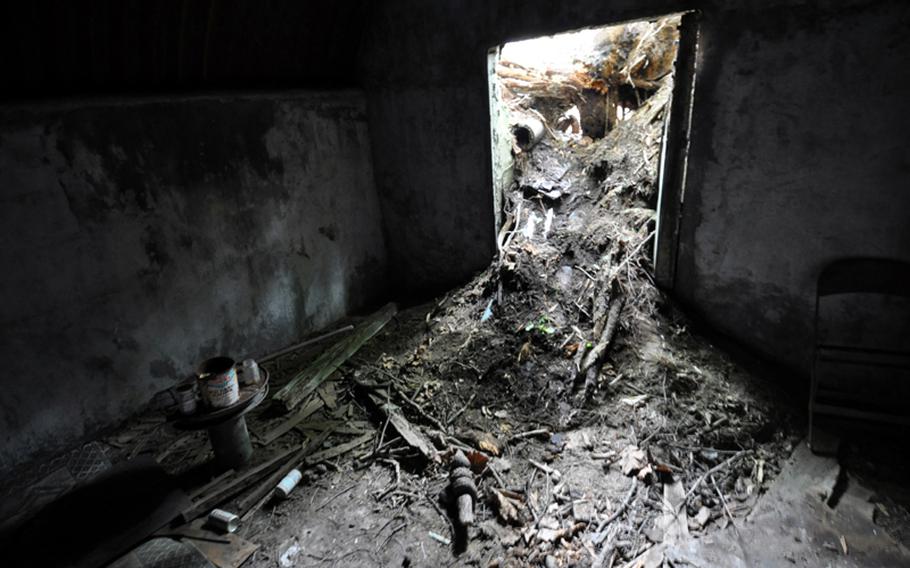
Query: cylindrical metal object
x,y
286,485
186,398
465,510
249,372
527,131
231,442
223,521
218,382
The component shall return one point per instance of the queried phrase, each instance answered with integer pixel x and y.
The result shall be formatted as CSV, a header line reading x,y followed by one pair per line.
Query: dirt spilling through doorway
x,y
574,386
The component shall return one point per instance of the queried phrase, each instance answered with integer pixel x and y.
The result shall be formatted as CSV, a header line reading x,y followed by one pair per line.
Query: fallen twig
x,y
394,486
423,413
723,501
460,411
529,434
622,507
335,496
711,471
391,534
634,252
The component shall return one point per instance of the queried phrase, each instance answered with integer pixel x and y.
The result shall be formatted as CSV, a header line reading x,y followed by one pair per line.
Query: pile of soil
x,y
573,383
500,357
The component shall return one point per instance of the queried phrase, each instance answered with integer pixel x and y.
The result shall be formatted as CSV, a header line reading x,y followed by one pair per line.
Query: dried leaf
x,y
632,460
478,461
488,446
525,352
483,441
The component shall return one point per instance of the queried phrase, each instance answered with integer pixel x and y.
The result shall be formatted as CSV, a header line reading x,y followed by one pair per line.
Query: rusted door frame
x,y
674,157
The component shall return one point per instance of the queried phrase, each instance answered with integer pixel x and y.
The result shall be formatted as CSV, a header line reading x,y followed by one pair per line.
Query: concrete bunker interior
x,y
615,365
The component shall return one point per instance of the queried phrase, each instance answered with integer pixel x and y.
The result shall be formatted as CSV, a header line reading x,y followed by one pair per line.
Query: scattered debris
x,y
412,436
305,383
563,386
702,517
308,410
507,506
288,556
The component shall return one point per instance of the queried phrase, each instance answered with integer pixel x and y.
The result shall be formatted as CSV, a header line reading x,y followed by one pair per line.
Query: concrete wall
x,y
140,237
798,153
798,157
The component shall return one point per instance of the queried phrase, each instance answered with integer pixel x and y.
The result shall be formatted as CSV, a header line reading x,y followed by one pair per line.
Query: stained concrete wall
x,y
140,237
798,154
799,158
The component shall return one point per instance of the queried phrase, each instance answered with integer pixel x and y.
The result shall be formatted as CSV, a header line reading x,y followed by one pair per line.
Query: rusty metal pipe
x,y
527,131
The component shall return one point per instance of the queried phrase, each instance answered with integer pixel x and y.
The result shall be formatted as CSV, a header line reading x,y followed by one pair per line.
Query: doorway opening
x,y
587,154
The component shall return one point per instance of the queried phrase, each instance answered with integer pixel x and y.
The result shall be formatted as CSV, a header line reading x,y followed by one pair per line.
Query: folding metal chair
x,y
861,368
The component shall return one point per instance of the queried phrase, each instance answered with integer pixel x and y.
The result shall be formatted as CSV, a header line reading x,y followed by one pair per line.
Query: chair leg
x,y
822,441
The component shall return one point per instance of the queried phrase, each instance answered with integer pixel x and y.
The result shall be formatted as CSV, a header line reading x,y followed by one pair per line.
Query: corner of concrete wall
x,y
142,236
798,158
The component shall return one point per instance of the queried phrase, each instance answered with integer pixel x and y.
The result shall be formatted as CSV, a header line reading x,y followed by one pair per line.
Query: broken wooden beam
x,y
340,449
305,383
411,435
269,484
232,487
308,410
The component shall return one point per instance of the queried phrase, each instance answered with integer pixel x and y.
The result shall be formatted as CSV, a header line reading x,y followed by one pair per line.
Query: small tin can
x,y
288,484
223,521
250,372
186,398
218,382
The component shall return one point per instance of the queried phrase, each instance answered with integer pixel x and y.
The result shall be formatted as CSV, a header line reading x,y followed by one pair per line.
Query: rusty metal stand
x,y
227,429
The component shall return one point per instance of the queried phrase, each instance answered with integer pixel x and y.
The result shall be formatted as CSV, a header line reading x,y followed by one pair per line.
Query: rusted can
x,y
223,521
287,484
218,382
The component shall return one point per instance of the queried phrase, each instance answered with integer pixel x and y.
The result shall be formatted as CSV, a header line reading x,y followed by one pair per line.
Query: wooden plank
x,y
305,383
308,410
269,484
233,487
341,449
411,435
329,395
212,484
353,428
